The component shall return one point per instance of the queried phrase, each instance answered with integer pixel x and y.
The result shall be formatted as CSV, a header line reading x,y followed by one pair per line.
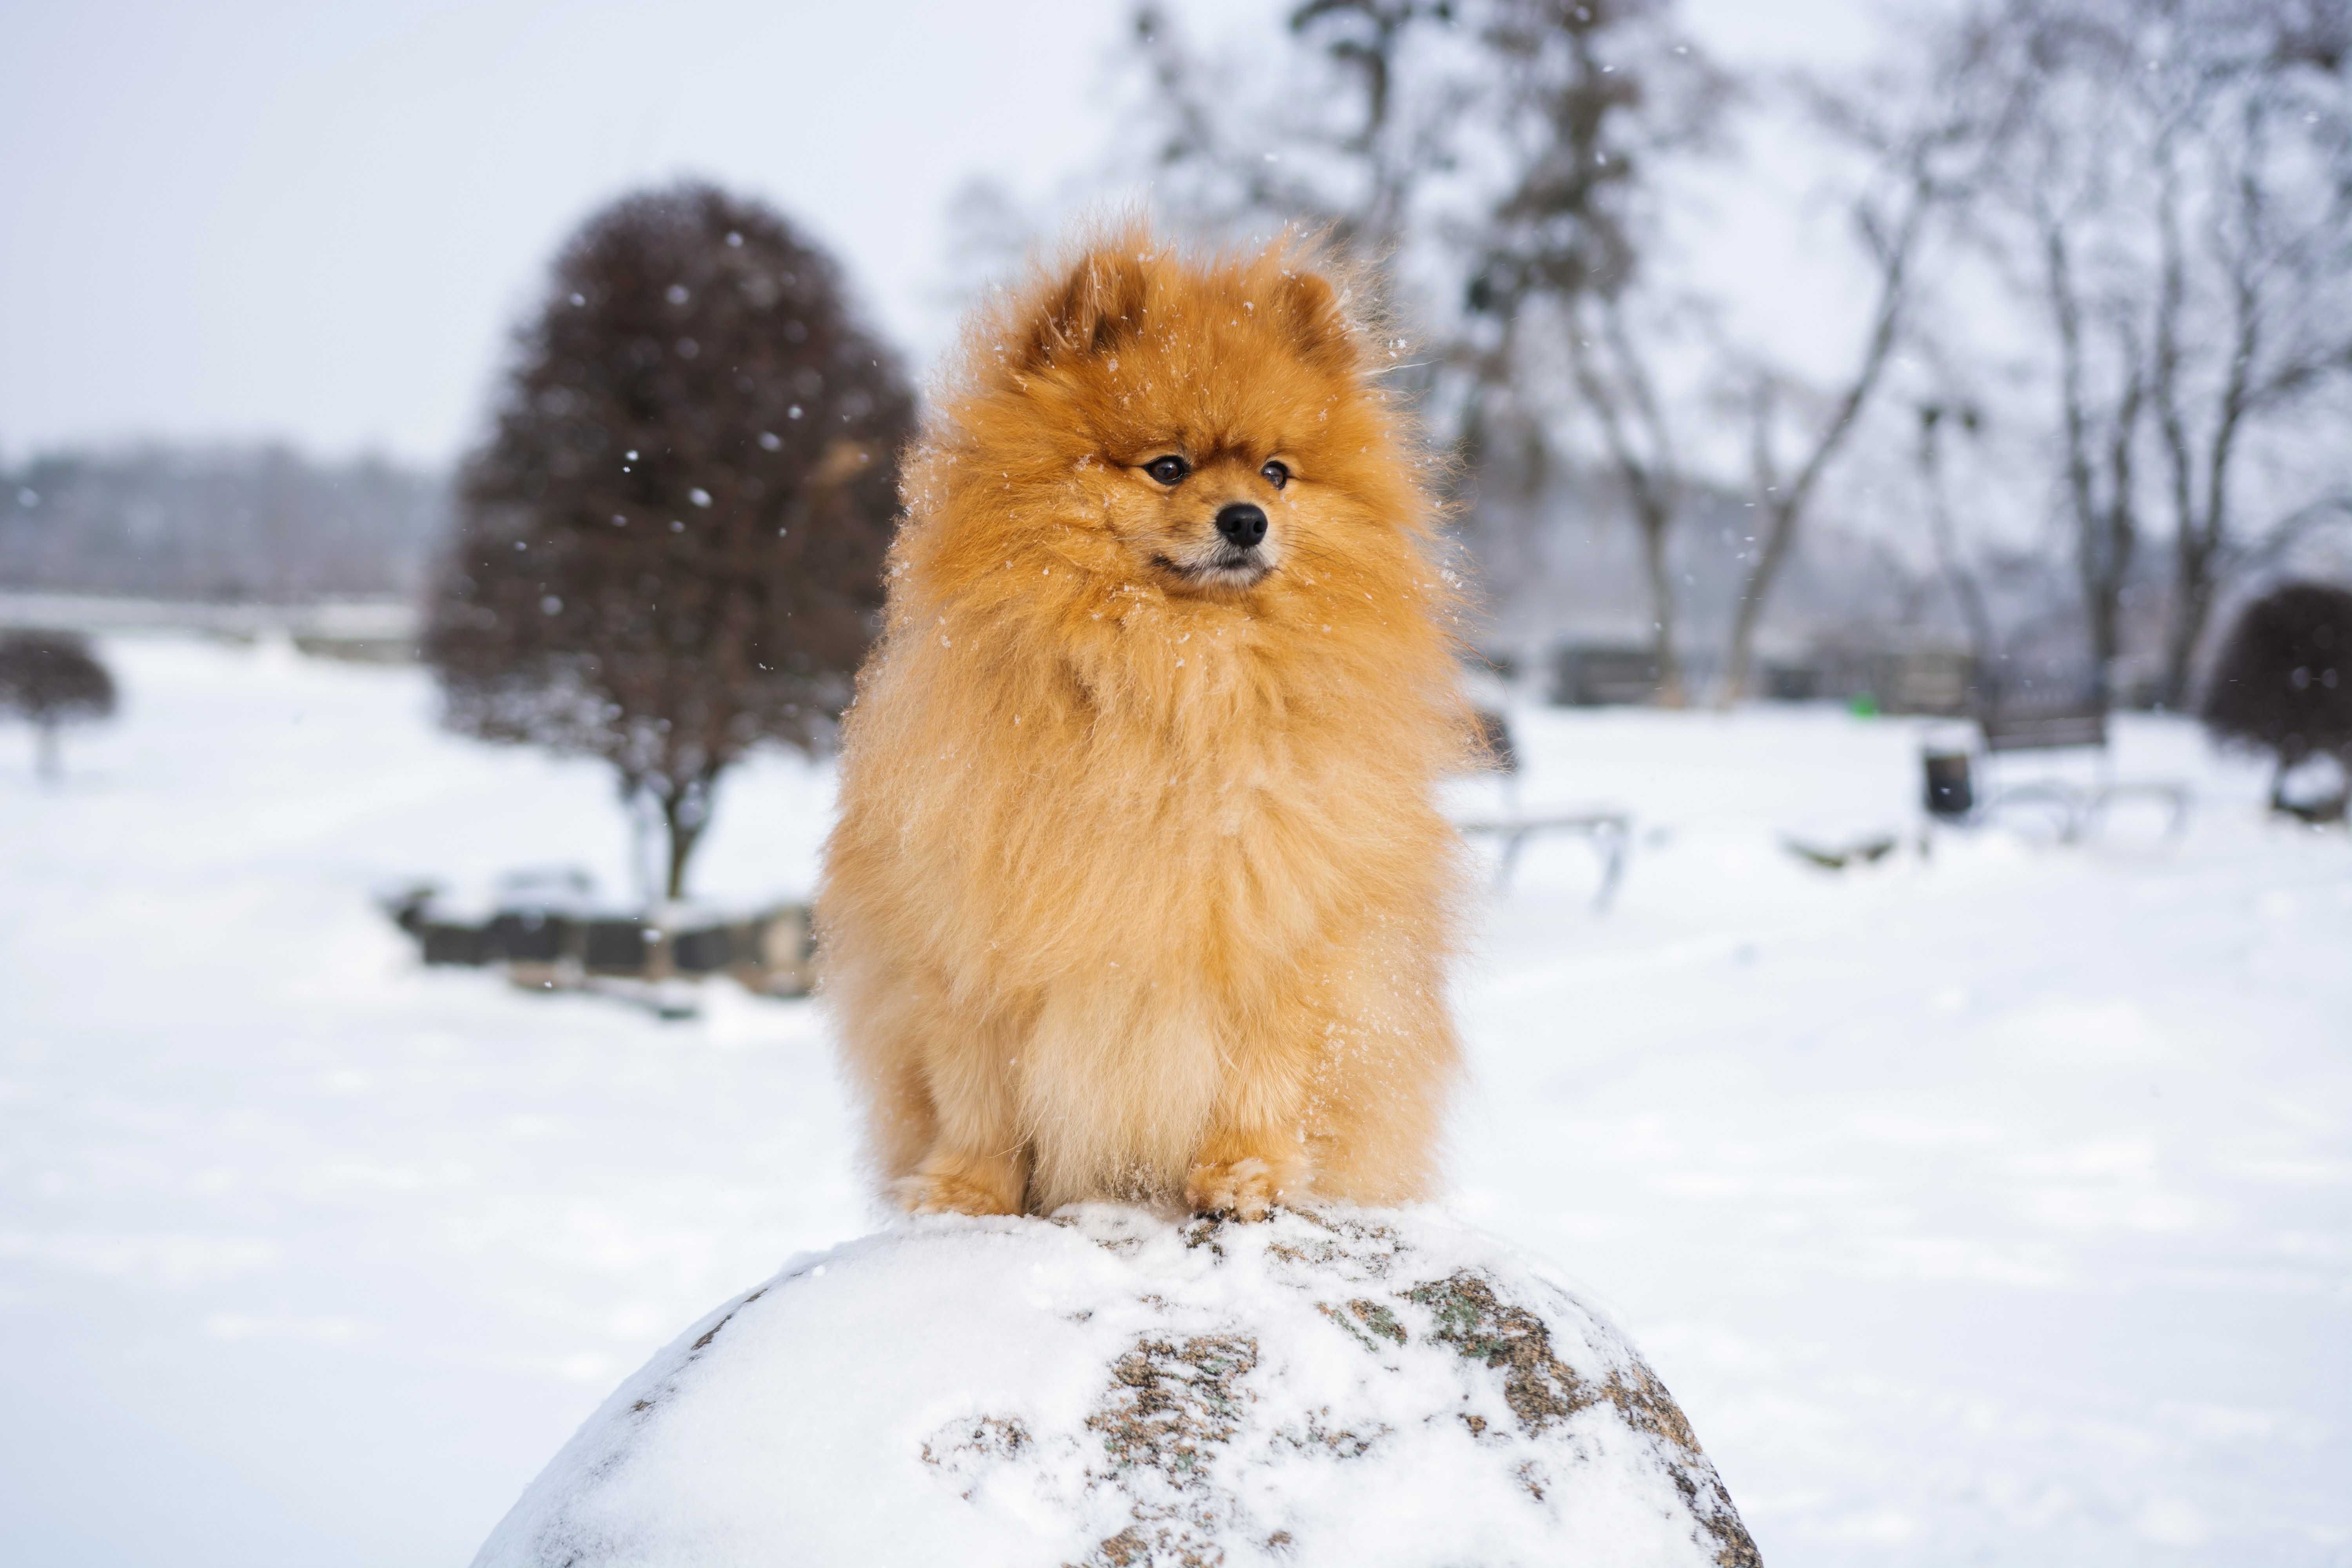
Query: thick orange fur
x,y
1139,890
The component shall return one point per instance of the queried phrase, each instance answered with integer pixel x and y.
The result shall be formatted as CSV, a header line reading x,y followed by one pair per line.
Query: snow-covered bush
x,y
51,679
2283,683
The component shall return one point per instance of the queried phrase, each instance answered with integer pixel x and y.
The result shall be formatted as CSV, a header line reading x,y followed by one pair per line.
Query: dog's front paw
x,y
1246,1188
949,1184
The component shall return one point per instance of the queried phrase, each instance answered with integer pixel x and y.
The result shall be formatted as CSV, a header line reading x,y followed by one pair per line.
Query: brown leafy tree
x,y
670,549
2283,683
51,679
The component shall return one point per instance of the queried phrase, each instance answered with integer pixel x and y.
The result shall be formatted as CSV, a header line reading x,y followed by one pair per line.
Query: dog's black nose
x,y
1242,523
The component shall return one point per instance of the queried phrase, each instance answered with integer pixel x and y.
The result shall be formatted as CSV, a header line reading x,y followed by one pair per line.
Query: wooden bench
x,y
2043,732
1608,831
1954,794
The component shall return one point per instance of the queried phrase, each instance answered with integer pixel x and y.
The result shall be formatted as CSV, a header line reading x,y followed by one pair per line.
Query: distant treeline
x,y
217,523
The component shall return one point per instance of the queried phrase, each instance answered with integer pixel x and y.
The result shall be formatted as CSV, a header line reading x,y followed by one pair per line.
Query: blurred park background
x,y
1903,453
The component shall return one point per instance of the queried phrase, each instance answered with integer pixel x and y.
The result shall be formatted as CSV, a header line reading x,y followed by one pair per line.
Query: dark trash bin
x,y
1952,789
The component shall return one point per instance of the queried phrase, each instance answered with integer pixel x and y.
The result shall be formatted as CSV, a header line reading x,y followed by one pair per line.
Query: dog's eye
x,y
1276,474
1168,470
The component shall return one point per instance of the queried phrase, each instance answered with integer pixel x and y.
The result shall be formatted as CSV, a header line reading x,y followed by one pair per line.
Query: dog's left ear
x,y
1099,303
1309,311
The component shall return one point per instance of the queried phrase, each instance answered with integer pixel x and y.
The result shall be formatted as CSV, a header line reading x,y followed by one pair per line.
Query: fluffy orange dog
x,y
1138,889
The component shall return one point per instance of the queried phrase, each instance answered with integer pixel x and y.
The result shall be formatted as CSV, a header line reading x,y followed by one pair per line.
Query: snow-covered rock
x,y
1111,1388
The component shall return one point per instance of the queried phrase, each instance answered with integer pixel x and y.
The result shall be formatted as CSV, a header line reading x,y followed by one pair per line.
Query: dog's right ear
x,y
1307,305
1100,302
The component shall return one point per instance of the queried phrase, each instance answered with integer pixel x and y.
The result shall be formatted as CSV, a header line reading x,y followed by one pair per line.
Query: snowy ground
x,y
1990,1208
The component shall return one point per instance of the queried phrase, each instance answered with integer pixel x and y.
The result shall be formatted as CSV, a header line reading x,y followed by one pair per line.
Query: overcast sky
x,y
319,221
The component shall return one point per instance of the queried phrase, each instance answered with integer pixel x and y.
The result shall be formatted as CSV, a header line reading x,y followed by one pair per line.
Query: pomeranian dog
x,y
1139,890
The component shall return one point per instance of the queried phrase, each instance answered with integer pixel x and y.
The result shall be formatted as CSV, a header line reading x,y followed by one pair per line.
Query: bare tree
x,y
1922,145
2178,193
1961,580
1614,377
2047,211
1370,112
2252,156
1591,98
2101,437
51,679
2318,519
1496,161
1602,95
670,548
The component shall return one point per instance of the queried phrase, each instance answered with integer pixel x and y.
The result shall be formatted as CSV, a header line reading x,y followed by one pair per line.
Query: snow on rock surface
x,y
1109,1388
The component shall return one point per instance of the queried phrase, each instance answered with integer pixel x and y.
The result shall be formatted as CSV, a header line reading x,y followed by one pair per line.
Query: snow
x,y
1356,1388
1991,1206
